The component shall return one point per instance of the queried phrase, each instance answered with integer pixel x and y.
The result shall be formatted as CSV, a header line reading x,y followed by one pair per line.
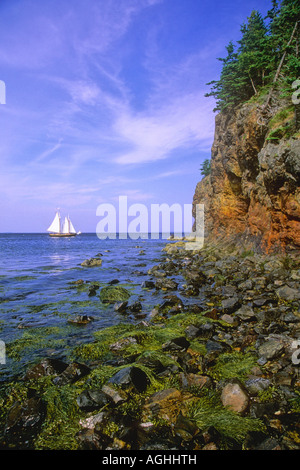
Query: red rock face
x,y
252,196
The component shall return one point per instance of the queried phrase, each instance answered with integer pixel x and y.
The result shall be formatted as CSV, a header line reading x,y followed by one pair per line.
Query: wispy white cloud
x,y
153,135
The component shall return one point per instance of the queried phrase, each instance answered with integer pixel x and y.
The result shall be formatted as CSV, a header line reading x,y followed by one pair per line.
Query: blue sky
x,y
106,98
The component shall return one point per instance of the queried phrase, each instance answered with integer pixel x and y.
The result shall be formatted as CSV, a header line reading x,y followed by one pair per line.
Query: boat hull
x,y
62,235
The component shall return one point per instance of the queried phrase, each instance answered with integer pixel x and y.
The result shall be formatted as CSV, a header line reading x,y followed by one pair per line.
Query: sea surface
x,y
38,297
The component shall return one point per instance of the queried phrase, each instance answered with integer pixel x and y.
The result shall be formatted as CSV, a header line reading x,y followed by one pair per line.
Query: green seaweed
x,y
33,339
208,411
233,365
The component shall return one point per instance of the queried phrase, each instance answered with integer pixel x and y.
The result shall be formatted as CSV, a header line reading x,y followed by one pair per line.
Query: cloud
x,y
153,135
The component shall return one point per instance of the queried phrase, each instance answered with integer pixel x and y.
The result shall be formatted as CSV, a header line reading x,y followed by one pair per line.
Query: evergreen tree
x,y
267,53
253,54
205,168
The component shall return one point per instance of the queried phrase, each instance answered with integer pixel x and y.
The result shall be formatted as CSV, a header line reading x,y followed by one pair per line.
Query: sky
x,y
105,98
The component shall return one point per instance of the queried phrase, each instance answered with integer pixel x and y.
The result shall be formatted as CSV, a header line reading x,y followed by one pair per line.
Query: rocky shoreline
x,y
219,373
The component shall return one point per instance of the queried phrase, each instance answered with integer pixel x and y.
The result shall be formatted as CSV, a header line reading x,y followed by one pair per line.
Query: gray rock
x,y
271,349
245,313
287,293
230,305
92,399
130,376
256,385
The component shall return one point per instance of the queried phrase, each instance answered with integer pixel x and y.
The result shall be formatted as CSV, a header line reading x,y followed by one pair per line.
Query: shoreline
x,y
214,374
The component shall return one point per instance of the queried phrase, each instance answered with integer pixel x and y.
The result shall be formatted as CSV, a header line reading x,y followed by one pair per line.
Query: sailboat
x,y
59,230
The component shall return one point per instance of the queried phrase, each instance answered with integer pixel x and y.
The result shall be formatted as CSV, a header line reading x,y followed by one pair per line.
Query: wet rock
x,y
184,428
245,313
230,305
130,377
287,293
135,307
229,319
71,374
269,444
176,344
235,397
216,347
24,420
121,306
112,294
170,301
91,437
165,404
92,262
195,278
148,285
45,368
90,400
93,290
192,332
261,410
116,396
206,330
81,320
149,359
122,344
257,385
166,284
195,380
271,349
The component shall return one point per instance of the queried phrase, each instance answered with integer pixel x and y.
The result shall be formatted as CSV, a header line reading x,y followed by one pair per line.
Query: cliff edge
x,y
252,196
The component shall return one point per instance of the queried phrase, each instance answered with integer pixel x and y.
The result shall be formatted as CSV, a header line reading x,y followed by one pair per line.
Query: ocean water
x,y
38,296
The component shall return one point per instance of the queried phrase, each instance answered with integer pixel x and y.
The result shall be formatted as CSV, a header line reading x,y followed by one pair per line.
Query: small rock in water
x,y
81,320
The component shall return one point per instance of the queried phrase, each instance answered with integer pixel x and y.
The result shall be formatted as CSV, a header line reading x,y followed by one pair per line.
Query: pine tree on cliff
x,y
267,53
284,38
243,70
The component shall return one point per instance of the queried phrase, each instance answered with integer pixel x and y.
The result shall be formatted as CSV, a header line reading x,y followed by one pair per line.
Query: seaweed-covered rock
x,y
112,294
92,262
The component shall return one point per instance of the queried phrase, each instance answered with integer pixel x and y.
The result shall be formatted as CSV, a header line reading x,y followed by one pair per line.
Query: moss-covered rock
x,y
112,294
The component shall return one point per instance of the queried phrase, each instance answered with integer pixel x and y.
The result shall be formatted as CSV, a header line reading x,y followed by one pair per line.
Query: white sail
x,y
71,227
55,226
66,228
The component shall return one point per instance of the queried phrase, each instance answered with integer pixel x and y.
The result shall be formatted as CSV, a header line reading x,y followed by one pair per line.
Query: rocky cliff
x,y
252,196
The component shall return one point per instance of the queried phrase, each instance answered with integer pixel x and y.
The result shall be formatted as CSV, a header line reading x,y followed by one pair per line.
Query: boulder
x,y
235,397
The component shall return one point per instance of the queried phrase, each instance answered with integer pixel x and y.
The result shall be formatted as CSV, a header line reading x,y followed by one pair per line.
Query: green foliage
x,y
232,365
205,168
252,63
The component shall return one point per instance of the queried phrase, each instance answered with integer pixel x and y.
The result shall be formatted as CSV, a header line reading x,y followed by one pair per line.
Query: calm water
x,y
38,297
